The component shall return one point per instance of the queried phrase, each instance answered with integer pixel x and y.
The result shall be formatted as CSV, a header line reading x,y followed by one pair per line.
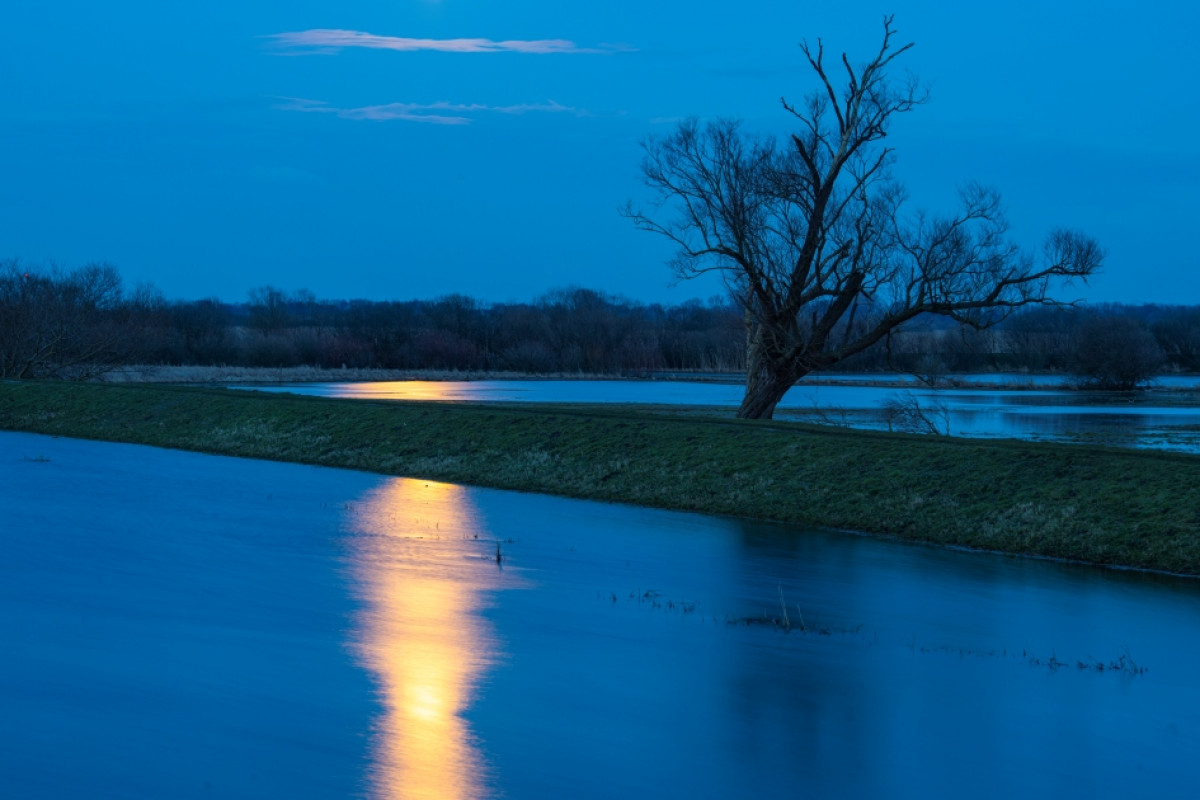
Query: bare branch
x,y
816,237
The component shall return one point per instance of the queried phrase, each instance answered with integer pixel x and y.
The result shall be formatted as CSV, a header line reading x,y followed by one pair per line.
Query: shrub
x,y
1116,352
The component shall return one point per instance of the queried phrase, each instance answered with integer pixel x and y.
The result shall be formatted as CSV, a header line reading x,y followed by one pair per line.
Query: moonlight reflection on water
x,y
421,634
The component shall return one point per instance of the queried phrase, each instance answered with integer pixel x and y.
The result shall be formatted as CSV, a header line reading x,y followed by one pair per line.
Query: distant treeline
x,y
77,323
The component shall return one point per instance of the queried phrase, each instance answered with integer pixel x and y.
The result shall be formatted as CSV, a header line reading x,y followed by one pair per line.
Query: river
x,y
183,625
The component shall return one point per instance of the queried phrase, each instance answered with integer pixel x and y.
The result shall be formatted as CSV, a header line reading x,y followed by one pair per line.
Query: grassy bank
x,y
1105,506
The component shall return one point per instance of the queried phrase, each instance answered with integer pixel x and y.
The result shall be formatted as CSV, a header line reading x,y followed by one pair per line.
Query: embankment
x,y
1100,505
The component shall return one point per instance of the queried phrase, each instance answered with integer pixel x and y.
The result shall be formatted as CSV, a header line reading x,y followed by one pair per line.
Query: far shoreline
x,y
229,375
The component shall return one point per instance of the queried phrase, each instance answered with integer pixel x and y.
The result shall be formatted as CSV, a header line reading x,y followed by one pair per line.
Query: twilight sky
x,y
412,148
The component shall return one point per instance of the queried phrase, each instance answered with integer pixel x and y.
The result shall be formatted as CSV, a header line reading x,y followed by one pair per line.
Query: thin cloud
x,y
331,40
441,113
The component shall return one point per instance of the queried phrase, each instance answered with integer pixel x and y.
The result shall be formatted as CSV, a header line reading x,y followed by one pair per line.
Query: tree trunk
x,y
766,383
761,398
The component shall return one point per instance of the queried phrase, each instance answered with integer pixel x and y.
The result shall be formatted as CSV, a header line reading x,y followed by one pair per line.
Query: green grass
x,y
1101,505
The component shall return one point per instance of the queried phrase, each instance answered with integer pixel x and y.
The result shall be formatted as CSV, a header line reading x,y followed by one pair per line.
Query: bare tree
x,y
1178,334
814,238
56,324
904,412
1116,351
269,309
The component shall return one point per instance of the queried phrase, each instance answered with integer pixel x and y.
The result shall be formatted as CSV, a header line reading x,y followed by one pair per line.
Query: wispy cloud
x,y
330,40
429,113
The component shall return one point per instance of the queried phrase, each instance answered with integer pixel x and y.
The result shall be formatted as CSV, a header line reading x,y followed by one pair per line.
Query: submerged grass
x,y
1100,505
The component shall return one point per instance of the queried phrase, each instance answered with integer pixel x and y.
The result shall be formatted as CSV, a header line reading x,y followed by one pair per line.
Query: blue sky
x,y
412,148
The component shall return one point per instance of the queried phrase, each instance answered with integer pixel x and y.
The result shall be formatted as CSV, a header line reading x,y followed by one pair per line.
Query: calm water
x,y
1154,420
1001,379
181,625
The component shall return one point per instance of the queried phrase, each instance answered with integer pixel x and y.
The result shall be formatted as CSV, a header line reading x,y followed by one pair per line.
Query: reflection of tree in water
x,y
787,693
847,709
951,643
416,559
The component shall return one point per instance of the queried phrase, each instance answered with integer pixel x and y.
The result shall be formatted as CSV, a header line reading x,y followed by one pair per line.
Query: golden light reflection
x,y
402,390
421,562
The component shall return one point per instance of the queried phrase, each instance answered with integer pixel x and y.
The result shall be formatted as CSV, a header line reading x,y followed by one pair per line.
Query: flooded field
x,y
1166,418
181,625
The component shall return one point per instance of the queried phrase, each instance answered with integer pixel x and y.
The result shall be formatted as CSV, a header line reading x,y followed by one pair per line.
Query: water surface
x,y
181,625
1159,419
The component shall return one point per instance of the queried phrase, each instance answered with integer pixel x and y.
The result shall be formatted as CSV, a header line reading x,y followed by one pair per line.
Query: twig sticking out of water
x,y
787,623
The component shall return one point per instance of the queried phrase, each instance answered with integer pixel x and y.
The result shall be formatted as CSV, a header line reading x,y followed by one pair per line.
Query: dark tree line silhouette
x,y
82,322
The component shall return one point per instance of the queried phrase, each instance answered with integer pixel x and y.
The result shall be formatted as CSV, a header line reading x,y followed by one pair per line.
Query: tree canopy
x,y
814,235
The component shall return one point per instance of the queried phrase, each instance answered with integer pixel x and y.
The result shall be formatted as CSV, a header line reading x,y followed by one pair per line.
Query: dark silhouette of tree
x,y
1116,351
814,238
55,323
1178,334
201,333
1041,338
269,309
